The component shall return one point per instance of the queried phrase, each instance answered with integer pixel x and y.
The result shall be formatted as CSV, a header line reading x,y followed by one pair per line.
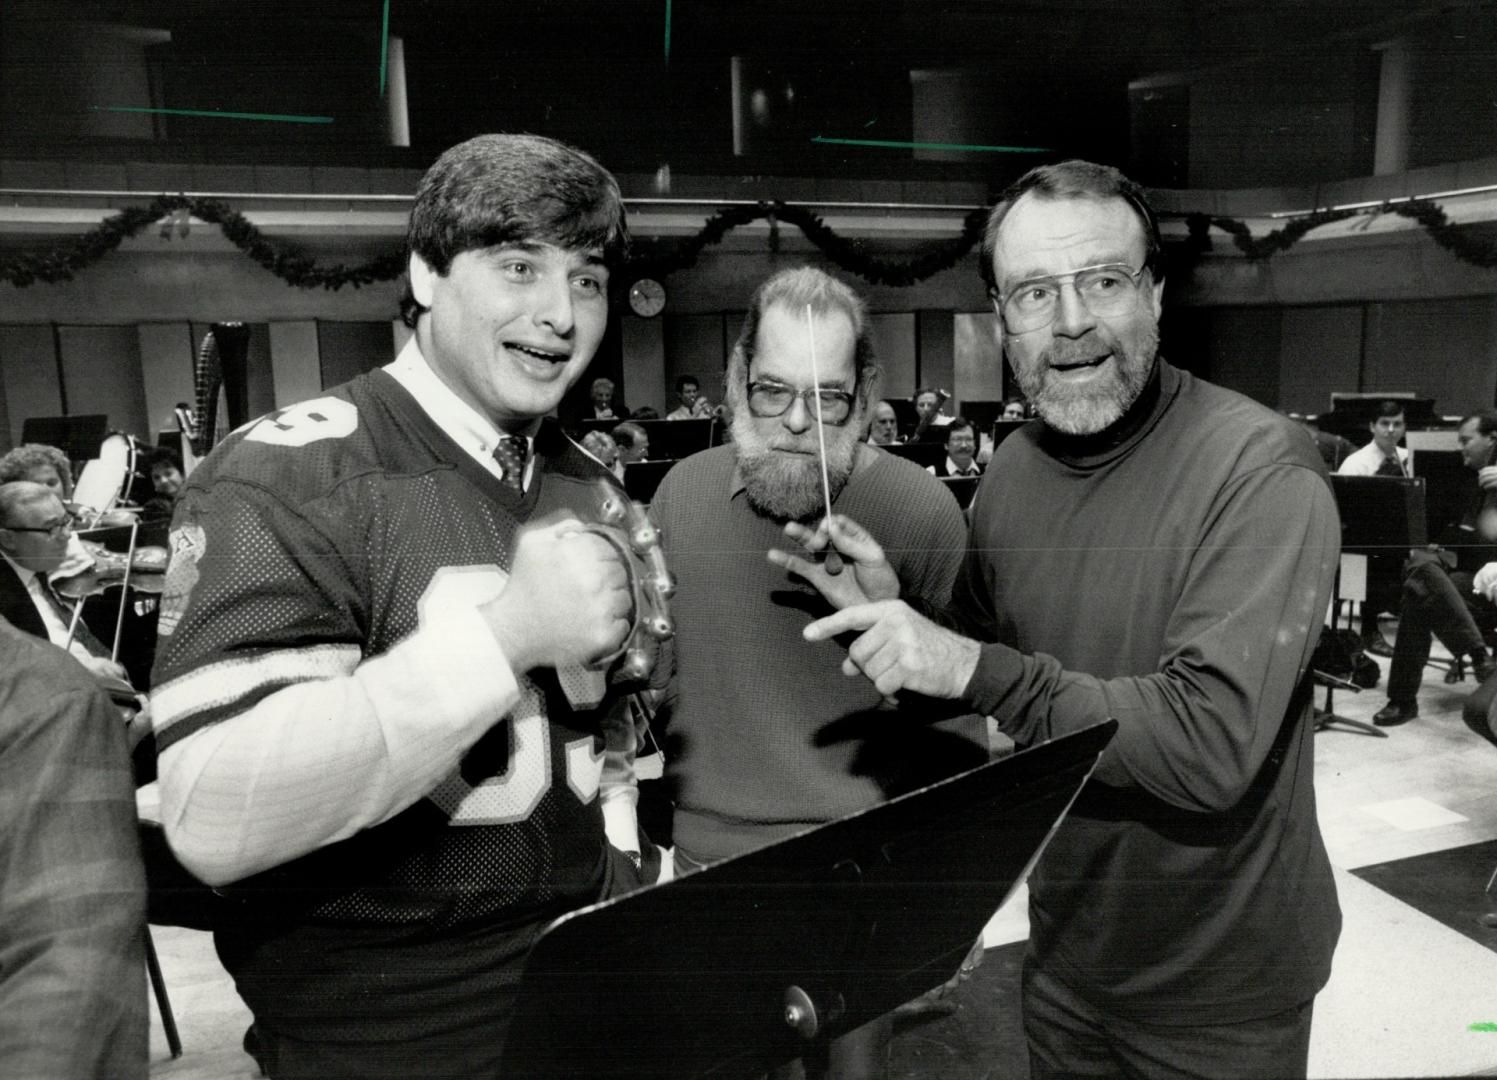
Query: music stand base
x,y
1325,719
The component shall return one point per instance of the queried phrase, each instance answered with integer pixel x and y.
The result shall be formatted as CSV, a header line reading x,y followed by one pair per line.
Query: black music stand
x,y
669,439
1380,515
1002,429
641,478
753,961
963,487
78,437
924,454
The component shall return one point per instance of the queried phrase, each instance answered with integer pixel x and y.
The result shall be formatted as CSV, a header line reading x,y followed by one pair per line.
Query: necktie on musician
x,y
1391,466
510,453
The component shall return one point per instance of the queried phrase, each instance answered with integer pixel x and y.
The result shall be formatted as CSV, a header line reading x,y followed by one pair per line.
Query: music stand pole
x,y
1379,515
1328,716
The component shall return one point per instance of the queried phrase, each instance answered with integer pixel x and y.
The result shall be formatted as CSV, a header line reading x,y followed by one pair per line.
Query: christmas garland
x,y
301,270
661,258
1428,214
291,266
847,254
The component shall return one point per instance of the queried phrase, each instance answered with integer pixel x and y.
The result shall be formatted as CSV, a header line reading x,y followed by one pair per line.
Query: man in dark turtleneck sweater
x,y
1161,551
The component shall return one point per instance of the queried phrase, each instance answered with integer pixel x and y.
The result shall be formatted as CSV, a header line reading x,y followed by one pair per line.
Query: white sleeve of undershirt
x,y
317,761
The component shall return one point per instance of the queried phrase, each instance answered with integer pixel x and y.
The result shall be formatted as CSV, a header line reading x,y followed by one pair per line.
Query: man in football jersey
x,y
380,732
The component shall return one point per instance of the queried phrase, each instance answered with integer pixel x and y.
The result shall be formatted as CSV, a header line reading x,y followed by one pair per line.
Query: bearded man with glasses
x,y
764,736
1160,551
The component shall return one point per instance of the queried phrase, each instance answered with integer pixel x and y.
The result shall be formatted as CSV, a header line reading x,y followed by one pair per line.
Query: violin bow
x,y
119,618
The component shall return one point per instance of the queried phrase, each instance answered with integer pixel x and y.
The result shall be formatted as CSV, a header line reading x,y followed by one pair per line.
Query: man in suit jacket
x,y
34,532
72,888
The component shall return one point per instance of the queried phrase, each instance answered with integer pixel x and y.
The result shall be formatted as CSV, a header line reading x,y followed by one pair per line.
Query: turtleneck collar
x,y
1089,451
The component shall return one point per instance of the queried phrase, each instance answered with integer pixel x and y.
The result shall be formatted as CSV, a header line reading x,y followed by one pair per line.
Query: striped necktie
x,y
510,454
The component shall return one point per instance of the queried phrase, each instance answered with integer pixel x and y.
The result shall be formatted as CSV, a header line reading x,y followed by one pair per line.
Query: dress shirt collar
x,y
465,425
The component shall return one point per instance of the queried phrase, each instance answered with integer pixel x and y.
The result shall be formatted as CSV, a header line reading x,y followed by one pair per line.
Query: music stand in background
x,y
983,414
641,478
669,439
1002,429
963,487
751,962
1447,487
924,454
677,439
78,437
1380,515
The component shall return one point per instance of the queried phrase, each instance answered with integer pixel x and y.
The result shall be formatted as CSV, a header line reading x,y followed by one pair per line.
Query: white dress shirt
x,y
469,428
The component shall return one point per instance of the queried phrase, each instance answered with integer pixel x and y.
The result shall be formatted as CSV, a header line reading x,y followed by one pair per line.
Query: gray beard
x,y
785,488
1096,410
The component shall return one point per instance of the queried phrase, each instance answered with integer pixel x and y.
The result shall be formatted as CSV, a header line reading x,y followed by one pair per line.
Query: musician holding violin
x,y
929,417
35,529
1440,583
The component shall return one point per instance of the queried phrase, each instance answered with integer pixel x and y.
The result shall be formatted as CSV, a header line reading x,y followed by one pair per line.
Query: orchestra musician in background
x,y
166,485
961,451
600,397
41,464
1447,587
35,528
929,416
693,405
883,429
633,443
48,466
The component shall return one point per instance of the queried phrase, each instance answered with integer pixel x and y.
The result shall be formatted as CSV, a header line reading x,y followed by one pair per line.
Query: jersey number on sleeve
x,y
307,422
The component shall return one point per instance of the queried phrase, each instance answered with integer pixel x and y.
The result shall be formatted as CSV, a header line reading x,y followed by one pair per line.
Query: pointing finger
x,y
856,617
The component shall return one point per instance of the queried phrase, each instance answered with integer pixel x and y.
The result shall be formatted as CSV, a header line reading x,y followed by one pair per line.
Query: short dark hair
x,y
1387,409
927,390
796,287
1074,180
166,456
627,434
961,423
1486,421
682,380
502,189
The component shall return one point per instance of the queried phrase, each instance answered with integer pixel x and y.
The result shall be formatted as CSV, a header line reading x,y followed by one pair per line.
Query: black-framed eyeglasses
x,y
1104,289
57,529
769,399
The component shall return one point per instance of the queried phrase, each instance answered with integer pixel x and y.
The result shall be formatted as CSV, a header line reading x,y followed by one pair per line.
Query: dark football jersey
x,y
315,538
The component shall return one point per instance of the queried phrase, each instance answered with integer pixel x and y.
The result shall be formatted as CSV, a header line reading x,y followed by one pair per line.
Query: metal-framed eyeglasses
x,y
1104,289
56,530
771,399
